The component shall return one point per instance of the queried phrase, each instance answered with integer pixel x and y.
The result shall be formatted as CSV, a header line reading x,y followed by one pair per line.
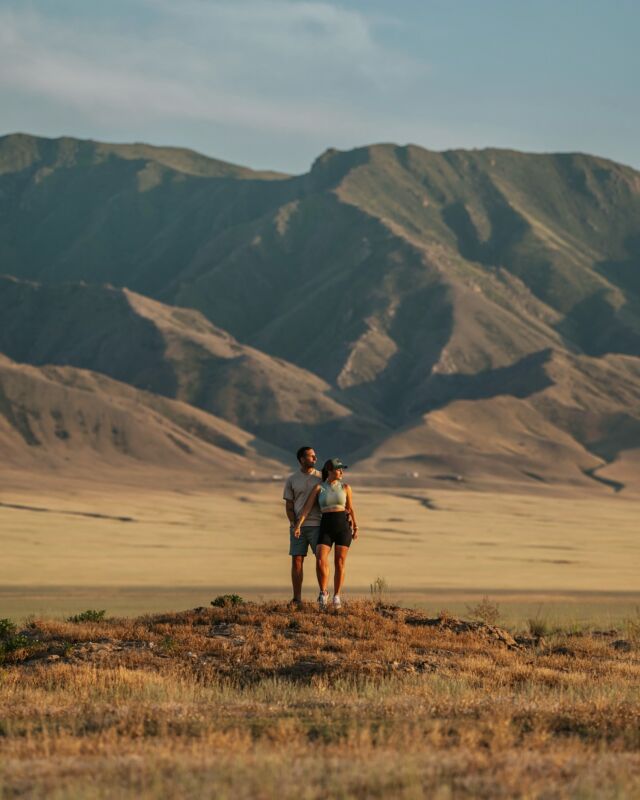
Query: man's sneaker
x,y
295,603
337,602
323,600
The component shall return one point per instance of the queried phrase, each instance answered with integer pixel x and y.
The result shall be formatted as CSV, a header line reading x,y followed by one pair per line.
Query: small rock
x,y
53,658
224,629
29,633
425,666
530,641
622,644
561,650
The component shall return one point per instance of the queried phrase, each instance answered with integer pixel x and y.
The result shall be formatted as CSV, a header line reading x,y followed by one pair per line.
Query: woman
x,y
336,504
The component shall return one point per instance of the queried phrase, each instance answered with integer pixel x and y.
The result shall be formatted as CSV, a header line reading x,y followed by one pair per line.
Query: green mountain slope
x,y
21,151
400,282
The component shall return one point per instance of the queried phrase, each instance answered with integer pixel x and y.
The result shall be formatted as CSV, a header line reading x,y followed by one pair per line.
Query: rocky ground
x,y
252,641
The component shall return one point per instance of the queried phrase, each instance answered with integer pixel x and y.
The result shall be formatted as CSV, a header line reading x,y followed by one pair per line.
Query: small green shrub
x,y
14,643
225,600
9,639
7,628
90,615
169,644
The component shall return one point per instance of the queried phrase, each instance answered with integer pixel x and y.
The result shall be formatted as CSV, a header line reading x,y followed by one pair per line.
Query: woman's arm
x,y
305,511
351,511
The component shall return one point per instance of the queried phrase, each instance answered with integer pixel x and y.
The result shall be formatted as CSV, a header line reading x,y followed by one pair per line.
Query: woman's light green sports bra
x,y
330,496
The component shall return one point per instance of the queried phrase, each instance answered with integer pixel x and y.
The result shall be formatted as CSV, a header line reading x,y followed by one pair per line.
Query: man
x,y
297,489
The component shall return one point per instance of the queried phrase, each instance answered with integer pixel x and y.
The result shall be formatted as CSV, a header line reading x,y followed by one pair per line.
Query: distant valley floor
x,y
137,548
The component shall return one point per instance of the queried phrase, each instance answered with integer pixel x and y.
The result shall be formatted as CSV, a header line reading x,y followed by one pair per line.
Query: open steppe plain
x,y
260,700
148,541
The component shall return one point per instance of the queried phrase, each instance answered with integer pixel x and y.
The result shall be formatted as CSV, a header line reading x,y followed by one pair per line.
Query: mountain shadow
x,y
598,327
89,327
522,379
504,227
625,272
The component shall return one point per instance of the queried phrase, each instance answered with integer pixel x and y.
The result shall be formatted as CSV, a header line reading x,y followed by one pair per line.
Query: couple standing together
x,y
320,510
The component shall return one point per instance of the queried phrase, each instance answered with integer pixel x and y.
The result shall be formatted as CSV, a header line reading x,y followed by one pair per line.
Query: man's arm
x,y
288,498
290,512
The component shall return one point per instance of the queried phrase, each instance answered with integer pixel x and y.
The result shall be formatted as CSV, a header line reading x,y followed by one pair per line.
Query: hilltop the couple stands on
x,y
319,507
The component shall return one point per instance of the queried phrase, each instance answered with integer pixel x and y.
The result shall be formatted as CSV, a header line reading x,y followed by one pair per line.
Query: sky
x,y
271,84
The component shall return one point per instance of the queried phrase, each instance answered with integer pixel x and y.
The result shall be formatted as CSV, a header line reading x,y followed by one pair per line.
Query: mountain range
x,y
473,314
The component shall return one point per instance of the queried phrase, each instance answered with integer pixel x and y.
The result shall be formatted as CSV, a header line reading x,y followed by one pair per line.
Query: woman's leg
x,y
341,559
322,565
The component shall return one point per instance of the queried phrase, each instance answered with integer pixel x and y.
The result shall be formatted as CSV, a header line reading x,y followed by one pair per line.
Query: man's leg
x,y
322,566
297,570
340,563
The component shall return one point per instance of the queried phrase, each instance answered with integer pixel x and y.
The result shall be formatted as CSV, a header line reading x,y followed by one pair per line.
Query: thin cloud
x,y
275,65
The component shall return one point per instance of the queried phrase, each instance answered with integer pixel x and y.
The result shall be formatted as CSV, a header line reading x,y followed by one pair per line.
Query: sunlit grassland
x,y
97,733
69,544
300,705
262,701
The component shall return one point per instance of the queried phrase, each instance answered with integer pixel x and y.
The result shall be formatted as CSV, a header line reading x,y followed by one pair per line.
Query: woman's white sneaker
x,y
337,602
323,600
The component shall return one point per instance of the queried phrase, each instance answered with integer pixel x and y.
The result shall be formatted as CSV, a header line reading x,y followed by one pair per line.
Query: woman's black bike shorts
x,y
335,529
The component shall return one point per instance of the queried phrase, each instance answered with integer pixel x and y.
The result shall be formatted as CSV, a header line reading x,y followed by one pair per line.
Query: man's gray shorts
x,y
308,538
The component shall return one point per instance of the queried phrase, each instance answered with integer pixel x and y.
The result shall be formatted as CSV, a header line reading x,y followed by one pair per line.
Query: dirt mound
x,y
253,641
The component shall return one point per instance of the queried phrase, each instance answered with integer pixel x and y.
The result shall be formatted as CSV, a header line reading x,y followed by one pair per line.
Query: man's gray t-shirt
x,y
298,488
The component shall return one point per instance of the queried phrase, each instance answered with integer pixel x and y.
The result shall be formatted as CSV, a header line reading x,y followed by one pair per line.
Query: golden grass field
x,y
261,701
